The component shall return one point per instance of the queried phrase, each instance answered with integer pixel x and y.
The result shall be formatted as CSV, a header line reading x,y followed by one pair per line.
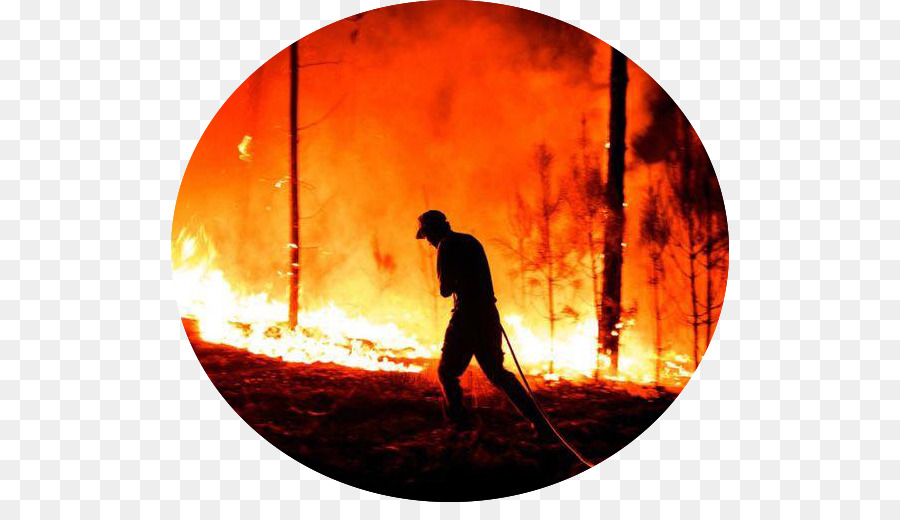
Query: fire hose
x,y
540,409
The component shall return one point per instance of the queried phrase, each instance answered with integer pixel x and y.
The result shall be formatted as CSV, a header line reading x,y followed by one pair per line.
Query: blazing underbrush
x,y
384,431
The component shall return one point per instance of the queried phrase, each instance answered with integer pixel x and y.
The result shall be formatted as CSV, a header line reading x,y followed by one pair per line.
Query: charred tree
x,y
708,265
655,233
587,202
704,240
547,261
686,195
295,245
687,168
698,247
610,323
294,296
521,224
714,260
520,246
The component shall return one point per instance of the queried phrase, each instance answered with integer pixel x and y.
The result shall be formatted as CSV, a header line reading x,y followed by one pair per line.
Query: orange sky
x,y
432,105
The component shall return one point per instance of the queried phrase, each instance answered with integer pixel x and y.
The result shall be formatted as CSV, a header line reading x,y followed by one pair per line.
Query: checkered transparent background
x,y
105,411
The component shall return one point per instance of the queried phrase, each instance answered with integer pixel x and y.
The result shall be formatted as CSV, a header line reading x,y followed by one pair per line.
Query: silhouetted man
x,y
474,328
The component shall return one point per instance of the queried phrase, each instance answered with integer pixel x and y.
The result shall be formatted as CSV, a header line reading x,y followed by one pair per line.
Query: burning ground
x,y
224,314
360,402
383,431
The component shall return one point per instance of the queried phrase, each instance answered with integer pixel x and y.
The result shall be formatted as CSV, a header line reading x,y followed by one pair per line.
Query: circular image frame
x,y
459,162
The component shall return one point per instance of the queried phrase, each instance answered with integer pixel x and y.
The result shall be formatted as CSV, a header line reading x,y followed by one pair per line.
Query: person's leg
x,y
455,357
490,359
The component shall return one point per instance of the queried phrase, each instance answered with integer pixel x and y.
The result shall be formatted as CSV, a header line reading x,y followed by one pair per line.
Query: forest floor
x,y
384,431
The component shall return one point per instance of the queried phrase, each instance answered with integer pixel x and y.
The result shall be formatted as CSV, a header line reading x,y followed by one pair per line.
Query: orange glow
x,y
425,105
256,323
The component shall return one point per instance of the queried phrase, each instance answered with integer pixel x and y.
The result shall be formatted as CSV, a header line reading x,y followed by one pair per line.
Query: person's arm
x,y
445,270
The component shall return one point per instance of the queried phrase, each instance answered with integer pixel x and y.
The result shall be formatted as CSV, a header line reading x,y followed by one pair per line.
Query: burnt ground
x,y
384,431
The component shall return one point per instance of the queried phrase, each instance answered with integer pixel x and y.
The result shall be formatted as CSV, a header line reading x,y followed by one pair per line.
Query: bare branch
x,y
325,115
318,64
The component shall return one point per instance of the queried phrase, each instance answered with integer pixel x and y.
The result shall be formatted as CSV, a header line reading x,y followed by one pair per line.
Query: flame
x,y
246,154
576,356
257,323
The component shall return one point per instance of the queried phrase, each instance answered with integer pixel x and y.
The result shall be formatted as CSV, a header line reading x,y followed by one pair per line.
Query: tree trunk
x,y
708,250
695,312
687,173
658,339
294,296
615,197
548,209
550,302
595,291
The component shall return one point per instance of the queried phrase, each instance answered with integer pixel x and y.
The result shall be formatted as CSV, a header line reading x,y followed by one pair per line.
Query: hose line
x,y
541,409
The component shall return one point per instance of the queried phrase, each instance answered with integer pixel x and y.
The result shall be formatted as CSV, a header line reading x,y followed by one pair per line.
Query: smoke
x,y
658,142
426,102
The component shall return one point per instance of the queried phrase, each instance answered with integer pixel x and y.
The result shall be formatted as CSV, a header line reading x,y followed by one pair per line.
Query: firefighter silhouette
x,y
474,328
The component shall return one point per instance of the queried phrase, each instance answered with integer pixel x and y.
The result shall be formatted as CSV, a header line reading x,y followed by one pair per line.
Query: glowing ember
x,y
257,323
244,149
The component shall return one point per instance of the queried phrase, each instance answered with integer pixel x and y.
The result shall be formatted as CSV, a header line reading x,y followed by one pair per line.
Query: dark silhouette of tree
x,y
587,202
685,189
699,237
521,224
548,261
705,239
294,295
655,233
714,258
294,130
614,231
